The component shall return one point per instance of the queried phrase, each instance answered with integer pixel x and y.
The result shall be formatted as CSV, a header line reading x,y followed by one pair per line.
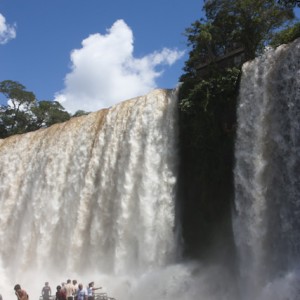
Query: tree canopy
x,y
290,3
249,23
24,113
286,36
232,24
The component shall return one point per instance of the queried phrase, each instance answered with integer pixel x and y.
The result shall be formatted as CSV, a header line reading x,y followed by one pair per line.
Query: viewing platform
x,y
232,58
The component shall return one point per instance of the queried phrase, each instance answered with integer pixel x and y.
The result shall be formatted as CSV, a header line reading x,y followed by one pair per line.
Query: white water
x,y
93,197
267,176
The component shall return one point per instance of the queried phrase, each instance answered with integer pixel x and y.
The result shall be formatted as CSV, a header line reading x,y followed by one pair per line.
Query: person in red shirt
x,y
60,293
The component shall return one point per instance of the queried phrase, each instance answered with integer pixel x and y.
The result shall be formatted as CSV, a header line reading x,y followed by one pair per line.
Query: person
x,y
60,294
69,290
81,293
20,293
75,285
63,287
46,291
91,289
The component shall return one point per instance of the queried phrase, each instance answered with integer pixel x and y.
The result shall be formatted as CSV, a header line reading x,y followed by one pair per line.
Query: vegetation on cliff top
x,y
24,113
234,31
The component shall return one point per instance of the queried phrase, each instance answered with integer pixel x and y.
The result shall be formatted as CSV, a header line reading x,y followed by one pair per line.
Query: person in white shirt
x,y
91,289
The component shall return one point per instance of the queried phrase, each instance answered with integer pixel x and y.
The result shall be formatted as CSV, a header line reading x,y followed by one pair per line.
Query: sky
x,y
92,54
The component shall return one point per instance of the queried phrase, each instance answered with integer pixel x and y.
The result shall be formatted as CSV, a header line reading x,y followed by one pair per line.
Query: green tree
x,y
230,24
286,36
290,3
250,22
47,113
15,116
23,113
79,113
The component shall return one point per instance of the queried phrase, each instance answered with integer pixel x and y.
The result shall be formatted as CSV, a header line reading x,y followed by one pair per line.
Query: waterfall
x,y
267,181
94,195
93,199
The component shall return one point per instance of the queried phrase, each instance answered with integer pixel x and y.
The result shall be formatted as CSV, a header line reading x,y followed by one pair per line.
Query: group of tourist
x,y
66,291
72,291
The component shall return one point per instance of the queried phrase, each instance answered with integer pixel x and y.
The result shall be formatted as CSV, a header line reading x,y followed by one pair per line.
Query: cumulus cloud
x,y
105,72
7,32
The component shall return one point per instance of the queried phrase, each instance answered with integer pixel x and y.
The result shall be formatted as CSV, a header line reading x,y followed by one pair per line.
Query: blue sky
x,y
92,54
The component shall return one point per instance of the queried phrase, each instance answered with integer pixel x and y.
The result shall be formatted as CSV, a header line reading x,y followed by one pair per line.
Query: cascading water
x,y
267,181
92,196
94,199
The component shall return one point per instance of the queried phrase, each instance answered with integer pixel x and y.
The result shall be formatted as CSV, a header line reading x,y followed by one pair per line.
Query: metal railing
x,y
96,296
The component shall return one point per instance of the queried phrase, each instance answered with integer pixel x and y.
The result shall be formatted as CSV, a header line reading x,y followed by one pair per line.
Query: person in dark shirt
x,y
46,291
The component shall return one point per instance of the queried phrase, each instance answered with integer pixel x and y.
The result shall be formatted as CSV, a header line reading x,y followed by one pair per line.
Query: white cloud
x,y
105,72
7,32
